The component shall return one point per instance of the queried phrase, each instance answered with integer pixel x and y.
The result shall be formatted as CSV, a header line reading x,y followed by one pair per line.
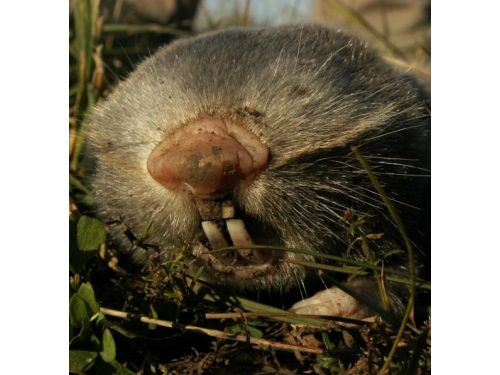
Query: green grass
x,y
161,320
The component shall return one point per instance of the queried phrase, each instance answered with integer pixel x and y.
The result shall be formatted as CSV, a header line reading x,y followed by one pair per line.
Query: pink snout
x,y
208,157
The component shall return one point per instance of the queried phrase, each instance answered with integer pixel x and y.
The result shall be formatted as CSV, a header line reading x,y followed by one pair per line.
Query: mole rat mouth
x,y
209,159
243,263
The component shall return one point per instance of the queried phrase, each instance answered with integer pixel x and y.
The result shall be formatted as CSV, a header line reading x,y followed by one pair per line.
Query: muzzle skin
x,y
207,157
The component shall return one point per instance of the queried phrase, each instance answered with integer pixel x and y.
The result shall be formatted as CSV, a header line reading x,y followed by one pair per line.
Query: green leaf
x,y
79,312
196,276
77,259
81,360
108,352
326,340
90,233
86,293
95,341
99,318
154,315
238,328
254,332
82,306
75,183
233,329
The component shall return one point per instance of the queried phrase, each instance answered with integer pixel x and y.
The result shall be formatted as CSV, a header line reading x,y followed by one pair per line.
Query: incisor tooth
x,y
214,235
227,211
239,235
238,232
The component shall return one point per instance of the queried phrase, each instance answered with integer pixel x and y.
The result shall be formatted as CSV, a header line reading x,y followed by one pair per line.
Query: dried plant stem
x,y
265,344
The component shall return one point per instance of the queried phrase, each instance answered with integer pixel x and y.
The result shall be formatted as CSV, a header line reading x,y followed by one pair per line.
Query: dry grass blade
x,y
89,70
256,307
246,315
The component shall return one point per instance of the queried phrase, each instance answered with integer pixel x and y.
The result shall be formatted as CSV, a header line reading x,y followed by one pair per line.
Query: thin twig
x,y
214,333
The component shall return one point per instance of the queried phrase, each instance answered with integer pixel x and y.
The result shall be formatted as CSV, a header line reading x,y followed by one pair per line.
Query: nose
x,y
208,157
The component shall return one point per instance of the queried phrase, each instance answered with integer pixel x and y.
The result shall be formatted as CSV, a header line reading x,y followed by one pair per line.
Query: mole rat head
x,y
241,138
